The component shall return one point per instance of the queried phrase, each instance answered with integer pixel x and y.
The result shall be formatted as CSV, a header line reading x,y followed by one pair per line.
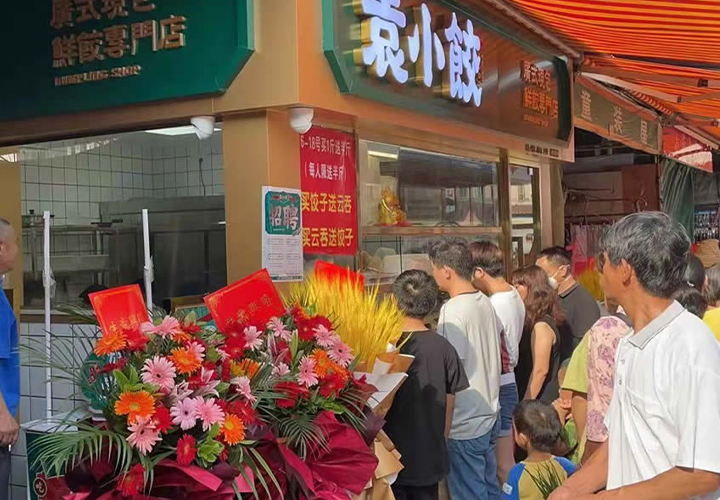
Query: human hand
x,y
9,429
562,407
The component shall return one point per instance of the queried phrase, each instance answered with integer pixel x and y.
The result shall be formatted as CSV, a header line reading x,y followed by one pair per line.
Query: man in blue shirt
x,y
9,360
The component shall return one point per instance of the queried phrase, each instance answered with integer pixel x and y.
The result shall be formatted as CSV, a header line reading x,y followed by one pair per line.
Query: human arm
x,y
590,448
9,428
449,408
542,340
676,484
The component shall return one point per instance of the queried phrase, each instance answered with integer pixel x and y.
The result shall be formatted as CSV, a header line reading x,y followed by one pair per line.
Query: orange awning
x,y
665,53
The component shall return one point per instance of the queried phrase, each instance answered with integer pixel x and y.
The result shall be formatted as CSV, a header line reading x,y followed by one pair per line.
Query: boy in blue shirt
x,y
537,429
9,360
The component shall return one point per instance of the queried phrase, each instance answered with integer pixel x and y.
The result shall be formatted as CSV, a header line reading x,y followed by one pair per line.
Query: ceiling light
x,y
172,131
379,150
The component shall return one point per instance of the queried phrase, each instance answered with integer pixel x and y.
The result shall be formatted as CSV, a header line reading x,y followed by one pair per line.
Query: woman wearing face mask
x,y
539,361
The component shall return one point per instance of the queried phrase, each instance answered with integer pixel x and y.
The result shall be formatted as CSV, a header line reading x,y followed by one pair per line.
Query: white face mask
x,y
554,282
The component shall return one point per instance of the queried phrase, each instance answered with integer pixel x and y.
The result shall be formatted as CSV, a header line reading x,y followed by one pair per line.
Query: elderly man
x,y
9,360
665,412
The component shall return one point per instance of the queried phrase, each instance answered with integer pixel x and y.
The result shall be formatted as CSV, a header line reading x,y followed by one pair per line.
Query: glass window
x,y
525,210
410,197
96,187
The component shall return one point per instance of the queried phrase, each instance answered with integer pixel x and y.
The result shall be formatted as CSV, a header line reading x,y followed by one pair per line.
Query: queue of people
x,y
623,405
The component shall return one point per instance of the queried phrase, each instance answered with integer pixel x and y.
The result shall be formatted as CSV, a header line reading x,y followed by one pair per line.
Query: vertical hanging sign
x,y
328,183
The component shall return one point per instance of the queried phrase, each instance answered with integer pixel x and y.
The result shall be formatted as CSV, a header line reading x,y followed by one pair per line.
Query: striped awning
x,y
665,53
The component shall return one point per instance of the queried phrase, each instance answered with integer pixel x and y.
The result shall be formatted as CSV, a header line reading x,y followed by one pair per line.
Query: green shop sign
x,y
445,59
64,56
611,116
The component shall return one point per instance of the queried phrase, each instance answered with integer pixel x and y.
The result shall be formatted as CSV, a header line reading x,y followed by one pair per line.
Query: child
x,y
537,428
569,446
419,420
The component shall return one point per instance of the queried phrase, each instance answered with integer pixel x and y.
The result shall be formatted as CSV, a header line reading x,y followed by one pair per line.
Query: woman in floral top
x,y
604,338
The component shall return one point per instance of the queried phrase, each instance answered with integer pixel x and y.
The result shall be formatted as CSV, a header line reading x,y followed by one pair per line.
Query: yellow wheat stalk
x,y
364,320
590,279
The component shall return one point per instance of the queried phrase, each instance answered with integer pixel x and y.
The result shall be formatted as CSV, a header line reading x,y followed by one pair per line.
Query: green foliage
x,y
547,481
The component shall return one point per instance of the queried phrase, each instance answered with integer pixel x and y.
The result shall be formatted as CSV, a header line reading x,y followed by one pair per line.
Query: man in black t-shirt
x,y
419,421
580,309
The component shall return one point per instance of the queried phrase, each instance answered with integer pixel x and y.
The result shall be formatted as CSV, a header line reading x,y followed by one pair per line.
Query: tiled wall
x,y
70,178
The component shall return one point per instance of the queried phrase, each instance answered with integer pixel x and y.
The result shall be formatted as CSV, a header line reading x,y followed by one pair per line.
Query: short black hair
x,y
557,255
416,293
539,421
488,256
695,272
453,253
691,299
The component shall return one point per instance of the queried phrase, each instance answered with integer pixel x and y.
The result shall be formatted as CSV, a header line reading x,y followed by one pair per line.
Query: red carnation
x,y
186,450
192,328
132,482
235,347
136,340
292,392
162,419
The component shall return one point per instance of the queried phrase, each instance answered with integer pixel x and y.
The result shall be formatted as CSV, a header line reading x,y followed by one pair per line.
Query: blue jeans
x,y
473,467
508,402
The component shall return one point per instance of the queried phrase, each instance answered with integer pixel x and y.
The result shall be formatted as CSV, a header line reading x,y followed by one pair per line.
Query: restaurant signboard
x,y
433,57
78,55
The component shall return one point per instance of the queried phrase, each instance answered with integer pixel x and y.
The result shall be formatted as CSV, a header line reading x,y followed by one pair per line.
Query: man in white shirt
x,y
664,415
469,322
488,277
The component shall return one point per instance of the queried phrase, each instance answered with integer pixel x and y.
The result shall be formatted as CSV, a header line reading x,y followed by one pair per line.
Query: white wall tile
x,y
137,181
127,165
158,181
83,177
193,179
71,210
58,192
71,161
84,209
83,193
106,179
32,174
71,176
217,161
218,177
32,192
58,209
182,191
137,166
94,162
95,194
181,179
83,161
116,164
126,150
46,175
127,180
194,191
181,164
58,175
106,163
169,166
180,148
107,194
94,178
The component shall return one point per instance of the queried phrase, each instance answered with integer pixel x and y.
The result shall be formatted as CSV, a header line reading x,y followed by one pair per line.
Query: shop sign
x,y
684,148
78,55
537,149
612,117
431,56
282,253
328,183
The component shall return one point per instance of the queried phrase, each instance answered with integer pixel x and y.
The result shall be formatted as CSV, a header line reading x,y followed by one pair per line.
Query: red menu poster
x,y
328,183
119,308
253,298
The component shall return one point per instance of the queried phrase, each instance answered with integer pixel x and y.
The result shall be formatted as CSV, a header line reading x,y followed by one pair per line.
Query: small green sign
x,y
615,119
65,56
282,213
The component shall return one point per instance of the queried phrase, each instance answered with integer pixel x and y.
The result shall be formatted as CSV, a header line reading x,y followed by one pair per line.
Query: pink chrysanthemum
x,y
279,330
160,372
324,337
280,369
243,387
340,353
197,349
209,413
143,435
168,328
252,338
307,375
185,413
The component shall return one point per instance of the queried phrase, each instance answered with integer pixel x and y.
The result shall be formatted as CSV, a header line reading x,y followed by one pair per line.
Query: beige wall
x,y
10,210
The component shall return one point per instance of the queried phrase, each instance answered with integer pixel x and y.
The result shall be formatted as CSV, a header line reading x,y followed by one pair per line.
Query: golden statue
x,y
389,209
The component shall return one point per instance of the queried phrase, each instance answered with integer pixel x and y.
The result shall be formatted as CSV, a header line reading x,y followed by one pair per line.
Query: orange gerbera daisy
x,y
245,368
322,362
185,360
135,404
233,429
110,342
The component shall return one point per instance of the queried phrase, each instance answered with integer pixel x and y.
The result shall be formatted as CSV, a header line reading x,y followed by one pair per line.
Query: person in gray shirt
x,y
580,309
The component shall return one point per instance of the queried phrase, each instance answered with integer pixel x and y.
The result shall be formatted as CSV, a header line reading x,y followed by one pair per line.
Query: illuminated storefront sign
x,y
429,56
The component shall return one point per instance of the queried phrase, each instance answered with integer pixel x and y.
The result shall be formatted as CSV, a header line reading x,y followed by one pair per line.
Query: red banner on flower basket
x,y
121,308
328,183
253,298
334,272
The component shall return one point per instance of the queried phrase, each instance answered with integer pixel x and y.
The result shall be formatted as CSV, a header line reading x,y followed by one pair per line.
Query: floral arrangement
x,y
259,406
367,322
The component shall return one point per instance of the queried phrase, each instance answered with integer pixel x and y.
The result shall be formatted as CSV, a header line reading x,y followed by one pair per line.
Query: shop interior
x,y
95,189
